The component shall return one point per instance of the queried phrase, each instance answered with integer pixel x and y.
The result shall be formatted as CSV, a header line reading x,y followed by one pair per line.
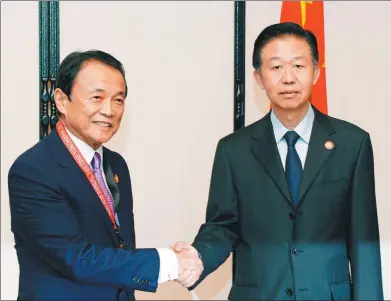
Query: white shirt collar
x,y
304,128
86,150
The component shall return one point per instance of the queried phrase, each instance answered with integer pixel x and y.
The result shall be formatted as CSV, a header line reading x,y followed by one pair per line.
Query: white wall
x,y
179,62
19,113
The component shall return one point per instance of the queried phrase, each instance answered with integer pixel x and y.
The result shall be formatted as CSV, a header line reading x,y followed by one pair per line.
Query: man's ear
x,y
258,78
60,98
316,75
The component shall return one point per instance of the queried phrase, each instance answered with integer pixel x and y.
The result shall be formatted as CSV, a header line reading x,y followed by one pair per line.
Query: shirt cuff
x,y
168,265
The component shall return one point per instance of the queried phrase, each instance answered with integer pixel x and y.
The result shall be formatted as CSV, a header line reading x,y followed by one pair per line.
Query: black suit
x,y
286,252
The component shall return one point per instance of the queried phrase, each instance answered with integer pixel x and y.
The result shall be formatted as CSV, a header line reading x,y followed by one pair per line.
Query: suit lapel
x,y
112,168
80,183
110,179
317,154
264,148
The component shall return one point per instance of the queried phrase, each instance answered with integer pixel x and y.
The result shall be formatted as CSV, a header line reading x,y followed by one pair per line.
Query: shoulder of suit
x,y
245,133
34,157
114,155
35,153
346,127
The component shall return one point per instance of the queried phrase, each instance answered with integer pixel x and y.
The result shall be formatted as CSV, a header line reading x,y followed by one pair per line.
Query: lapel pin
x,y
116,179
329,145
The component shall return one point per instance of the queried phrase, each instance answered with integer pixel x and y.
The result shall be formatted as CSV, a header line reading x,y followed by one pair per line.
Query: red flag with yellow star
x,y
310,15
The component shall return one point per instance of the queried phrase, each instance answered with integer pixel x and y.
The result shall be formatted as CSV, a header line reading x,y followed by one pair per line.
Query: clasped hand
x,y
190,266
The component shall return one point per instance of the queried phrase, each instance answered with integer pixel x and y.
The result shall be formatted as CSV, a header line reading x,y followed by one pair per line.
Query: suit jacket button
x,y
289,292
294,251
291,216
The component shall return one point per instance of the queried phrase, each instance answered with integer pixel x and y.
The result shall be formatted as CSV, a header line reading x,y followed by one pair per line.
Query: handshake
x,y
190,266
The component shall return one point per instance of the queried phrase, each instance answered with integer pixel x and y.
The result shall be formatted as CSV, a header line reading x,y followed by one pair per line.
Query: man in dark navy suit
x,y
71,198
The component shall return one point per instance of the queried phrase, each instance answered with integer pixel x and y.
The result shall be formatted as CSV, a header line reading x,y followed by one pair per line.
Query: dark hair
x,y
282,30
71,65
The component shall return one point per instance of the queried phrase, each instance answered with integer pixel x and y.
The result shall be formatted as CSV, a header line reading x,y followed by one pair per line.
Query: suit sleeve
x,y
42,220
217,237
363,247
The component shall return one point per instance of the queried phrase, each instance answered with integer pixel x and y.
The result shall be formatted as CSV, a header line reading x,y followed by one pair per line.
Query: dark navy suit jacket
x,y
66,245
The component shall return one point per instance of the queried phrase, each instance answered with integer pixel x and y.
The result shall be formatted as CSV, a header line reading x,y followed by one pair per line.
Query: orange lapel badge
x,y
116,179
329,145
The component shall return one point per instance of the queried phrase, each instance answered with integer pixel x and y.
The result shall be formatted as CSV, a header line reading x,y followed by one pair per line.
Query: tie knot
x,y
291,137
96,161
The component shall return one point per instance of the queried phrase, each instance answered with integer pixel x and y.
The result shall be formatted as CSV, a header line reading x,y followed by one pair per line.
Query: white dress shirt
x,y
168,260
304,129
